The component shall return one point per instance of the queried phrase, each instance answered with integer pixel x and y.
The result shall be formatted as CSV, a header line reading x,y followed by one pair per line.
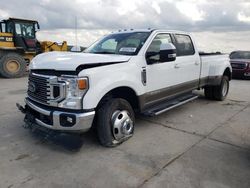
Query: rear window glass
x,y
184,45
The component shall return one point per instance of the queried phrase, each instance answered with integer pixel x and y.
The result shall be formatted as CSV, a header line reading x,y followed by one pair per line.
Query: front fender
x,y
104,79
92,98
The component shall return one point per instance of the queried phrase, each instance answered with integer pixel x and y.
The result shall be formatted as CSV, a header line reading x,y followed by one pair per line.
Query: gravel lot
x,y
201,144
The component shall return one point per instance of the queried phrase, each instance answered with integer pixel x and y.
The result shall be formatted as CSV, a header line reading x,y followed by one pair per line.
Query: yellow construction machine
x,y
19,45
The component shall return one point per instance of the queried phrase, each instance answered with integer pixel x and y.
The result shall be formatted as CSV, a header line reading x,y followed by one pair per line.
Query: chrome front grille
x,y
38,88
45,89
240,66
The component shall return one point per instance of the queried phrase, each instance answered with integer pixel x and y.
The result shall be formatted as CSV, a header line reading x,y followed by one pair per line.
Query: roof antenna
x,y
76,31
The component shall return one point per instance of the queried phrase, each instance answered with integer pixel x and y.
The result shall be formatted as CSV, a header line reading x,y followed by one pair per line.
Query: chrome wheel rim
x,y
122,125
224,89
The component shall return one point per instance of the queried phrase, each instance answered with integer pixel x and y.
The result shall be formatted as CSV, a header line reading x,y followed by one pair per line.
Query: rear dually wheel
x,y
218,92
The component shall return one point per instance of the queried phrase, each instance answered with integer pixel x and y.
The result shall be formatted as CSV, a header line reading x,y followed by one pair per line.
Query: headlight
x,y
76,88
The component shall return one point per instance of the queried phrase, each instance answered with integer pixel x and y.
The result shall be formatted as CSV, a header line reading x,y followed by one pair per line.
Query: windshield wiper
x,y
103,52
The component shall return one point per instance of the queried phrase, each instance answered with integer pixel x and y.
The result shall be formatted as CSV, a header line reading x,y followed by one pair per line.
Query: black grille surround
x,y
39,88
44,118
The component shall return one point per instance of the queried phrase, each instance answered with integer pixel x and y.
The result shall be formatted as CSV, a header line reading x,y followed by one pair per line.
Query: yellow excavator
x,y
19,45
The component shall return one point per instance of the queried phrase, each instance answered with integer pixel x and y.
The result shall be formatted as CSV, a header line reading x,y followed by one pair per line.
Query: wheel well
x,y
125,93
228,73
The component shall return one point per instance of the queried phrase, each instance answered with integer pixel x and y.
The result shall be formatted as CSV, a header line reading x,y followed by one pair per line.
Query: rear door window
x,y
184,45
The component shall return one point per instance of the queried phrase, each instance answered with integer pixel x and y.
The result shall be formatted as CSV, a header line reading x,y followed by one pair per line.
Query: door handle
x,y
196,63
176,66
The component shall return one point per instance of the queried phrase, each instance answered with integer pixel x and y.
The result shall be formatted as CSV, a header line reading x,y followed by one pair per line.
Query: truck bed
x,y
212,64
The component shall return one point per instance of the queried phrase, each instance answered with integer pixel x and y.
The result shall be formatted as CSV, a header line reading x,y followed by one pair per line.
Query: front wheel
x,y
115,122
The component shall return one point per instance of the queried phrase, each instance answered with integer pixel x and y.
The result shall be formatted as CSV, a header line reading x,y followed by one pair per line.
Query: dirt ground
x,y
200,144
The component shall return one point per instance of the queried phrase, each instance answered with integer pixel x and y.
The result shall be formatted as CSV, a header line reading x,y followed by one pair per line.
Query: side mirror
x,y
167,52
37,27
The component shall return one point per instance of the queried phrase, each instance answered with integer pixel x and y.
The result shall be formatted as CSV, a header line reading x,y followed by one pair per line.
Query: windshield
x,y
120,43
240,55
25,30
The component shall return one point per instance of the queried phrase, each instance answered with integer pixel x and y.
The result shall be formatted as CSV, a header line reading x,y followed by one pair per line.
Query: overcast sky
x,y
217,25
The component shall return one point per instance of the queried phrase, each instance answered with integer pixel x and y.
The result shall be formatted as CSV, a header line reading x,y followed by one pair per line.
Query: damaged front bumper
x,y
55,119
60,127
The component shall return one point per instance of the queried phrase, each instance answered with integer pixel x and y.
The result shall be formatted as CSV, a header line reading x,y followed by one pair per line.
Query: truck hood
x,y
68,61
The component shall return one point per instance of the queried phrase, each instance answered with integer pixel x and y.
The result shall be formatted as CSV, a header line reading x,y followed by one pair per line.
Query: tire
x,y
221,91
12,65
209,92
115,122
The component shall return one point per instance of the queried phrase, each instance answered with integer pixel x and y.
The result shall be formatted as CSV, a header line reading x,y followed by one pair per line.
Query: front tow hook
x,y
21,108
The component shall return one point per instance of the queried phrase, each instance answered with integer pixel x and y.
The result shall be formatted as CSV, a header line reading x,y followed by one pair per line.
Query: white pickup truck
x,y
123,73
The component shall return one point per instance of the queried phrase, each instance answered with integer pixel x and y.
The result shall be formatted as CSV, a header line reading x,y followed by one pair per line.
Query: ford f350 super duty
x,y
123,73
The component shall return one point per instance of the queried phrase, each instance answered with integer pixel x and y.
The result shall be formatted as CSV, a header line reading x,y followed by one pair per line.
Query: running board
x,y
170,105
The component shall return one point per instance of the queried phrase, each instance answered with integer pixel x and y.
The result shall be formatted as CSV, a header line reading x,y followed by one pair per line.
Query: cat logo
x,y
9,39
6,39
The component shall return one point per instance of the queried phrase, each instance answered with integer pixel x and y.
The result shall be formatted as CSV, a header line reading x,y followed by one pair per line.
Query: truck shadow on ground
x,y
65,142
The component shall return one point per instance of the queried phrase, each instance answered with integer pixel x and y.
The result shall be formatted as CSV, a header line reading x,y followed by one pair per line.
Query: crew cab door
x,y
171,78
187,62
